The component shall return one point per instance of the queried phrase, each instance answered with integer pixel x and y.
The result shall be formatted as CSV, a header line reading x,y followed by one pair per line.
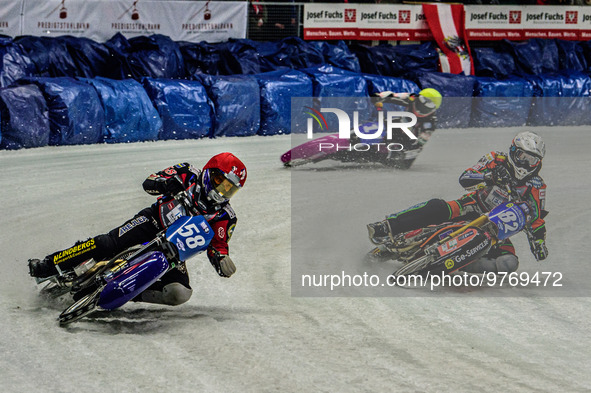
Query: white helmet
x,y
526,154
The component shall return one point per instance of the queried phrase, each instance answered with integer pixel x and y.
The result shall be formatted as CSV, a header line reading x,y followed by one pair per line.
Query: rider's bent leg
x,y
434,211
172,289
417,216
139,229
427,213
500,259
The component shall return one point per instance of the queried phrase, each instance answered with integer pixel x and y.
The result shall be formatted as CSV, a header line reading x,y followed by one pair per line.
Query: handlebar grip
x,y
183,198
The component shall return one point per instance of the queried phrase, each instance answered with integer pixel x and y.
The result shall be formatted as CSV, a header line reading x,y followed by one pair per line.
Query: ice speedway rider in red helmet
x,y
486,183
423,105
210,190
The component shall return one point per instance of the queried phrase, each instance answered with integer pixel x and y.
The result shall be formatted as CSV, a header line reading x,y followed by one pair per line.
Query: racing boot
x,y
42,268
380,253
379,232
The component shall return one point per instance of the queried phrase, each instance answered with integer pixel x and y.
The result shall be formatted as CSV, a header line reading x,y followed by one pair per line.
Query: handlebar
x,y
183,198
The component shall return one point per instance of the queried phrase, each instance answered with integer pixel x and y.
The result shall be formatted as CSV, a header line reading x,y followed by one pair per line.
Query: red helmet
x,y
223,175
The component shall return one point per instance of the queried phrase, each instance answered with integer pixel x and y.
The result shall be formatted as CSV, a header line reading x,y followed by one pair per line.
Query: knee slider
x,y
175,294
507,263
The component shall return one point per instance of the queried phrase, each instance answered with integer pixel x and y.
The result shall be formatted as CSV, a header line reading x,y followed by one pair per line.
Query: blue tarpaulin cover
x,y
24,117
129,113
75,113
396,60
571,56
535,56
293,52
379,83
330,81
204,58
241,57
14,63
184,107
493,62
155,56
49,55
340,86
501,103
236,100
90,57
277,89
560,99
338,55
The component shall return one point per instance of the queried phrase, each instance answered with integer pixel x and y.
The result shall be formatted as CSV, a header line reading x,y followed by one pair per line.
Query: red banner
x,y
446,23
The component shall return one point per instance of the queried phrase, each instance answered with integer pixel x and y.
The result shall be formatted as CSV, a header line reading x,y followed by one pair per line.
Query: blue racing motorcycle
x,y
450,246
107,285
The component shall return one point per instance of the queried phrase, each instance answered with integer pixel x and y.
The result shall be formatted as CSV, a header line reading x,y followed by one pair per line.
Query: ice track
x,y
247,333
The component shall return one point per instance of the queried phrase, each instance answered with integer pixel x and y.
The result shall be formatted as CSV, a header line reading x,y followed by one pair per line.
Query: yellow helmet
x,y
433,95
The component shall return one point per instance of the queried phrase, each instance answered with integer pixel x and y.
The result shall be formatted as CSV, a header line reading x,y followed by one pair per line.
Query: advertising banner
x,y
330,21
524,22
392,22
365,22
399,22
10,17
101,19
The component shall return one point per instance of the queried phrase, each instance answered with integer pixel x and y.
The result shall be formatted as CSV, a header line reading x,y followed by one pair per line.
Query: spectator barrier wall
x,y
66,90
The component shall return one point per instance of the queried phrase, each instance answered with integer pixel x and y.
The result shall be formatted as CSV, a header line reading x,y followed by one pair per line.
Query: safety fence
x,y
66,90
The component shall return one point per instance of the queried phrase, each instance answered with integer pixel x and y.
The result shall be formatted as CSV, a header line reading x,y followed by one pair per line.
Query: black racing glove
x,y
538,249
172,186
499,176
223,264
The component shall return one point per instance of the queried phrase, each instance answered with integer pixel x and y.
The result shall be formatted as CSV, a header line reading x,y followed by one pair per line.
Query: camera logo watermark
x,y
372,131
345,123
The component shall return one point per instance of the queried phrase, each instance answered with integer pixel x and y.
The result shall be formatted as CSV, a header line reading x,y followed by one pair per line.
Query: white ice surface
x,y
247,333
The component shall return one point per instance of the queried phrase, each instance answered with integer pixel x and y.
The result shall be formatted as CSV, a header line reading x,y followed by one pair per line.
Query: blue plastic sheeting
x,y
241,56
338,55
204,58
266,50
378,83
155,56
296,53
277,89
501,103
344,86
49,55
457,92
571,56
560,99
75,113
25,118
396,60
129,113
333,82
236,100
90,58
535,56
184,107
585,47
493,62
14,64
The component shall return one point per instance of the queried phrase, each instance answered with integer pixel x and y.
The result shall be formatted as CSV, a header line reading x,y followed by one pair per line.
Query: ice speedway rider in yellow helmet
x,y
209,189
486,183
424,106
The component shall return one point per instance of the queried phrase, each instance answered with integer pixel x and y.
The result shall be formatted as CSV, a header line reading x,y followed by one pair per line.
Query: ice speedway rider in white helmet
x,y
486,185
209,189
